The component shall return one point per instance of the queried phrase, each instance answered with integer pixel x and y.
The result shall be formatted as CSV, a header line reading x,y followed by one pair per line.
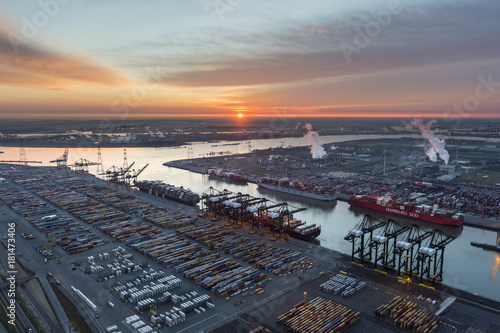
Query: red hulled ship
x,y
409,209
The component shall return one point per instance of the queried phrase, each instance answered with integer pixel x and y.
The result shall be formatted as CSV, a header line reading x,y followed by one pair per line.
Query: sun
x,y
240,115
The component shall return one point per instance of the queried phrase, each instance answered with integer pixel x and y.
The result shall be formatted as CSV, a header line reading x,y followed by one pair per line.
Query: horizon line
x,y
235,116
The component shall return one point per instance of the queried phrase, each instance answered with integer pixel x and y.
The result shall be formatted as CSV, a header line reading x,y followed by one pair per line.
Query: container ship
x,y
167,191
408,209
304,231
296,228
297,188
486,246
228,176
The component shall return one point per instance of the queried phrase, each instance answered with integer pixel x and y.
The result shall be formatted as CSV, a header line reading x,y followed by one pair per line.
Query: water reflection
x,y
495,268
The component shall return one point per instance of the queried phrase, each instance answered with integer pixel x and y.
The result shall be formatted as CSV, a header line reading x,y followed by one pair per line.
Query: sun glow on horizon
x,y
240,115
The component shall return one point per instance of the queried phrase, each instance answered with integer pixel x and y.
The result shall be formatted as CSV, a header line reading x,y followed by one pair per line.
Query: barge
x,y
486,246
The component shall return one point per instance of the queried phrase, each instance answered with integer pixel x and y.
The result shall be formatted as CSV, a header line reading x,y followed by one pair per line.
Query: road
x,y
20,315
50,323
56,306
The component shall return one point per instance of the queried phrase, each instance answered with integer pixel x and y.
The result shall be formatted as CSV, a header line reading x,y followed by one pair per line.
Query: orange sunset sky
x,y
89,58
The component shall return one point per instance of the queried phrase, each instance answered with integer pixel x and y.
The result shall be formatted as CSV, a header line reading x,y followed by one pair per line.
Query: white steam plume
x,y
312,137
151,134
437,145
81,134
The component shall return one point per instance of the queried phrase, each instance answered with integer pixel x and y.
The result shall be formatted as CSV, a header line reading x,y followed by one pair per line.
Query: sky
x,y
200,58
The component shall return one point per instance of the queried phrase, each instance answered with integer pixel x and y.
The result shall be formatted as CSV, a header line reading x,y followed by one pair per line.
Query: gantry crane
x,y
431,257
115,175
384,244
62,161
361,236
231,207
251,211
82,165
407,251
131,177
284,215
210,200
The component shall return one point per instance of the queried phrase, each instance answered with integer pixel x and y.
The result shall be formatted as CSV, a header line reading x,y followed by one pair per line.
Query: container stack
x,y
138,324
319,315
142,209
279,261
144,305
132,319
342,284
397,302
24,203
190,305
405,314
222,276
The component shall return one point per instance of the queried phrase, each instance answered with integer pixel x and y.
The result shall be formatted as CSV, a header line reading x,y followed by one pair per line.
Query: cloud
x,y
312,30
37,66
427,58
422,35
54,89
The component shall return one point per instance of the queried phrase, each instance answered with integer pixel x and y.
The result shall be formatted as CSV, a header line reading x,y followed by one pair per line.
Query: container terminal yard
x,y
479,205
134,262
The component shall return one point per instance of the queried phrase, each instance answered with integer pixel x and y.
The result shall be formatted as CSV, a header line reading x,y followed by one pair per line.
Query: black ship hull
x,y
306,237
485,246
190,200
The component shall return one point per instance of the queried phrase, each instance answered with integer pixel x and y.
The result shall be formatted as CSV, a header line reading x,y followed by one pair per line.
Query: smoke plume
x,y
151,134
312,138
437,145
81,134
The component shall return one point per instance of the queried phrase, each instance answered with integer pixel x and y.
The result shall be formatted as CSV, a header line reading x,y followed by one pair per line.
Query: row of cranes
x,y
125,175
412,251
242,208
